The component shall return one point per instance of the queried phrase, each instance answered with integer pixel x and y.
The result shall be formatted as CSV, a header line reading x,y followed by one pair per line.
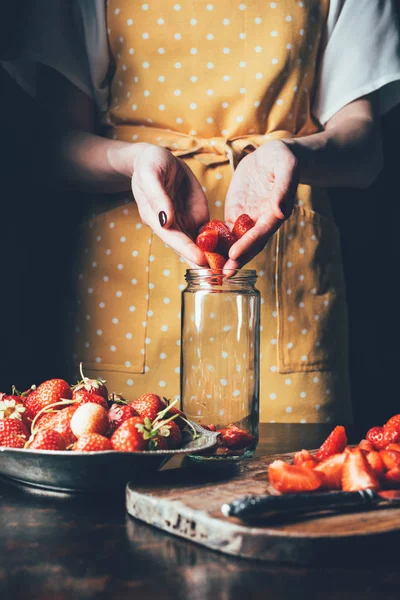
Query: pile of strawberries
x,y
373,464
85,418
215,239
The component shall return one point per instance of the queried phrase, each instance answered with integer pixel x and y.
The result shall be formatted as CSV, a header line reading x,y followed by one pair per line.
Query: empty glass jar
x,y
220,338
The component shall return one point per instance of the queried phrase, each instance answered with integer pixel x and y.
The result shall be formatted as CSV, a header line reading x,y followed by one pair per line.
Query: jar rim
x,y
203,275
207,270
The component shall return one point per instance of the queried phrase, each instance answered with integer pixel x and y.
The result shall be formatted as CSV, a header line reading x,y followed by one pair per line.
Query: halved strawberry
x,y
332,468
242,225
215,260
357,472
375,461
207,240
393,447
226,239
291,478
392,477
92,442
235,438
304,458
390,458
366,446
334,444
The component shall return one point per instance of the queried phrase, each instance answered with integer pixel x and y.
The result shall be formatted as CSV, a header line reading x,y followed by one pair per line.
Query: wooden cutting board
x,y
187,503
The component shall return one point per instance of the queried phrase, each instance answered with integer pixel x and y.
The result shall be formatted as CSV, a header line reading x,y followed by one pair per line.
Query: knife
x,y
249,507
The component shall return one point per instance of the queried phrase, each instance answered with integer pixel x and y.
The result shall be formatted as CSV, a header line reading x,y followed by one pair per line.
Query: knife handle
x,y
254,506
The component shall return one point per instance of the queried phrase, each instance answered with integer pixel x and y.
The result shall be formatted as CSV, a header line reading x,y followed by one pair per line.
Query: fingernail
x,y
162,217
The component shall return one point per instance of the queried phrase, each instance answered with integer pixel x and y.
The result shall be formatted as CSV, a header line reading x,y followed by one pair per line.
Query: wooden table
x,y
72,547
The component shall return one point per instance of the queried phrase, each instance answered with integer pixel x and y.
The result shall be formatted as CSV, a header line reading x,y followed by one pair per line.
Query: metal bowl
x,y
66,471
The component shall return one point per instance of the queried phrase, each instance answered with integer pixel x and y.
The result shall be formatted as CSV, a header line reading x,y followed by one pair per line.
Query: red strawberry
x,y
47,439
181,420
334,444
357,472
60,421
160,443
394,422
366,446
129,436
375,435
303,458
148,406
89,418
215,260
332,468
375,461
242,224
172,434
12,405
207,240
235,438
84,396
391,435
392,477
390,458
13,433
48,392
393,447
93,386
226,239
291,478
119,413
92,442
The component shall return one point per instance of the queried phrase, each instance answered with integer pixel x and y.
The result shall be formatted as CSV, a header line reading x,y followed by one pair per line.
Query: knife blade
x,y
250,507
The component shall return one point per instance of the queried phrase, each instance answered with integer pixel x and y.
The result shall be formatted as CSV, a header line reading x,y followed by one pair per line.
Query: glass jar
x,y
220,346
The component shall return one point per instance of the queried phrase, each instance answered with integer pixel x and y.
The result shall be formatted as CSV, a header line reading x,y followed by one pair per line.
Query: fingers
x,y
148,190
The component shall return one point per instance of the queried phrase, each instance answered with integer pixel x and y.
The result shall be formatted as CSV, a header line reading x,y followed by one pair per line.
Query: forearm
x,y
347,153
88,162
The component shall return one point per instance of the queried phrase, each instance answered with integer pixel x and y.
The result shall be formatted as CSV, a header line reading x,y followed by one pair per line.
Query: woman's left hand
x,y
263,186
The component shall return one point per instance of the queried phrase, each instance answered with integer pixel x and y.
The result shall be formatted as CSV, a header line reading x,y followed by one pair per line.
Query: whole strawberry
x,y
376,437
13,433
129,436
92,442
93,386
172,434
47,439
48,392
393,422
207,240
60,421
148,406
89,418
181,420
84,396
12,405
119,413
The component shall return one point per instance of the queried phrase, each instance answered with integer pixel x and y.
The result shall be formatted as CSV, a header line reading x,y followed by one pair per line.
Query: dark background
x,y
37,236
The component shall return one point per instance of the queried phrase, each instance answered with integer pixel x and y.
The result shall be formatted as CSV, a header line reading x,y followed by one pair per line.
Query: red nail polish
x,y
162,217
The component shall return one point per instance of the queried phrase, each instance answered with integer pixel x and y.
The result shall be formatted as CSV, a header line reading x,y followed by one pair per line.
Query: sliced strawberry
x,y
207,240
235,438
47,439
215,260
334,444
375,461
366,446
390,458
332,468
242,225
392,477
291,478
92,442
226,239
357,472
304,458
393,447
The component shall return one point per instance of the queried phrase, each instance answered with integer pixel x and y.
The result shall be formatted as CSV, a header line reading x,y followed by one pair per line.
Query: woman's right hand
x,y
170,200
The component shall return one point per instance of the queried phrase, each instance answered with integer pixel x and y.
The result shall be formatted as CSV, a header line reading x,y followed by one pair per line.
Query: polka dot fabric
x,y
209,81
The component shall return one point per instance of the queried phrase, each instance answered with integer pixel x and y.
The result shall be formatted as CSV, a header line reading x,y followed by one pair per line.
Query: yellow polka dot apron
x,y
210,80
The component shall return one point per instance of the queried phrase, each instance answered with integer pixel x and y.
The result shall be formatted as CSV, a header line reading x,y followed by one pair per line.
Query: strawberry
x,y
226,239
366,446
242,224
84,396
210,427
47,439
393,447
235,438
207,240
92,442
12,405
334,444
332,468
13,433
129,436
60,421
119,413
391,435
392,477
303,458
375,436
93,386
160,443
390,458
172,434
148,406
89,418
292,478
375,461
393,422
357,472
215,260
181,419
48,392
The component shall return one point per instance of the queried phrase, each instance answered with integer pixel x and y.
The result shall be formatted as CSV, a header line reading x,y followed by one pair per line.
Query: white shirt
x,y
360,53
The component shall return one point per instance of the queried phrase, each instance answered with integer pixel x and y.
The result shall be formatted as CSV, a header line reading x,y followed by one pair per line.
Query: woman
x,y
169,114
